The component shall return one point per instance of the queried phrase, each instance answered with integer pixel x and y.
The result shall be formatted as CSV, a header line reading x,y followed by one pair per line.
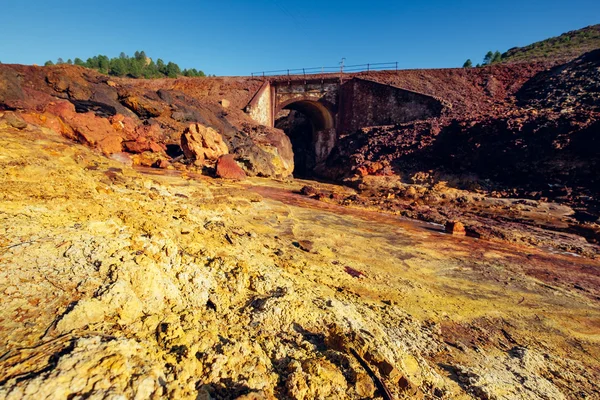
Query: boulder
x,y
150,131
227,168
264,151
202,143
308,191
455,228
148,159
12,120
126,126
135,146
110,144
144,107
164,164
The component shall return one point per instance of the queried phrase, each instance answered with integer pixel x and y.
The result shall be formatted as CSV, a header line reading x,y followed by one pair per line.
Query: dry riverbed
x,y
116,282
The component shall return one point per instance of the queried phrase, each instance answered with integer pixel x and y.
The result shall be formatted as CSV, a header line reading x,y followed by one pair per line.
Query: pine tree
x,y
172,70
497,57
118,67
487,60
468,64
103,64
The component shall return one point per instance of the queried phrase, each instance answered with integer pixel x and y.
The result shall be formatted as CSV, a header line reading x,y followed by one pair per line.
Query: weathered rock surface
x,y
227,168
149,286
137,116
263,151
202,143
455,228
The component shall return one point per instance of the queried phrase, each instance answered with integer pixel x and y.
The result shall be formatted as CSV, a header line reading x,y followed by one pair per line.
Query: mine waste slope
x,y
128,271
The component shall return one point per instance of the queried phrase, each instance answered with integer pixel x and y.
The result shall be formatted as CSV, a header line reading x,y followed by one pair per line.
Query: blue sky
x,y
231,37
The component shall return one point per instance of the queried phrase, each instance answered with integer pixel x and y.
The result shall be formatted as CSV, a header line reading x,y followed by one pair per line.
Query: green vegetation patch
x,y
138,66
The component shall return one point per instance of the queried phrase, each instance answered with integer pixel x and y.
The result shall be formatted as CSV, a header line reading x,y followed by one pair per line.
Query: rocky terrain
x,y
535,142
128,270
144,118
163,283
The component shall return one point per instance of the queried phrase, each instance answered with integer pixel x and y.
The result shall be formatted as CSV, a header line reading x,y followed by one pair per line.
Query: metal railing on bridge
x,y
343,69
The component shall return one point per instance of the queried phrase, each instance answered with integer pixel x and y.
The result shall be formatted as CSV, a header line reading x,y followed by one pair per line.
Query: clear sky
x,y
233,37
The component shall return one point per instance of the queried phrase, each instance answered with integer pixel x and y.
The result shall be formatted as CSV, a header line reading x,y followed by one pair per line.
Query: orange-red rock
x,y
227,168
455,228
88,127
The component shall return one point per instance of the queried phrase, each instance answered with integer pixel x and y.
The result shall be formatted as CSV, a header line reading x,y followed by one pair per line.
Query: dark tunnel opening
x,y
298,127
303,121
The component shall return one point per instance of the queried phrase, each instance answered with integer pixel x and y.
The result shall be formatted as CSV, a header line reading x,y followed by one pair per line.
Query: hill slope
x,y
565,47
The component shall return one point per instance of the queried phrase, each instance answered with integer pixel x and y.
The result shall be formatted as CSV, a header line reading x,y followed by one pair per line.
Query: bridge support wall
x,y
367,103
260,107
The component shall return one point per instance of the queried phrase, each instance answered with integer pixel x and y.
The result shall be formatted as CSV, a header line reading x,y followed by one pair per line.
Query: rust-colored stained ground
x,y
168,286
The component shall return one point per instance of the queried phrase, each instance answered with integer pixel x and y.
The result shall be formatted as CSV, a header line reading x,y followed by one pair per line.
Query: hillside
x,y
565,47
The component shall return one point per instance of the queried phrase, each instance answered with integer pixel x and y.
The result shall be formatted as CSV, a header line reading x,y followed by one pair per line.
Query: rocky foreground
x,y
116,283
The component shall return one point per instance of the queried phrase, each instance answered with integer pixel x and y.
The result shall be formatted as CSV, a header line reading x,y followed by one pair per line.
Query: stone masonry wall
x,y
367,103
260,108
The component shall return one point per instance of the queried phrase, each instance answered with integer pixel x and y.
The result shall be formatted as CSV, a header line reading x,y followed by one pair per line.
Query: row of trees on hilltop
x,y
138,66
489,59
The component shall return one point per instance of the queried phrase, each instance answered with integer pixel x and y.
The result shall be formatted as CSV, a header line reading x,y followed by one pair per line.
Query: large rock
x,y
12,120
263,151
202,143
87,127
143,106
227,168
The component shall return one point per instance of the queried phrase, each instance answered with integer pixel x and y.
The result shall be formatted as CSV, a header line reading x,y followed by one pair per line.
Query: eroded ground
x,y
117,282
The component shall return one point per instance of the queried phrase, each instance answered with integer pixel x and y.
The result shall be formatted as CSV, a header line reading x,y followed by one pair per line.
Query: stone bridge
x,y
332,107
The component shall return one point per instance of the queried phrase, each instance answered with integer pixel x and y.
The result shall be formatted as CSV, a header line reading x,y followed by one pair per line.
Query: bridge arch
x,y
319,112
312,133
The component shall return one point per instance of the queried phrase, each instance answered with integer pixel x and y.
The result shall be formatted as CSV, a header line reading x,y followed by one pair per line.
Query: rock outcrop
x,y
138,116
202,144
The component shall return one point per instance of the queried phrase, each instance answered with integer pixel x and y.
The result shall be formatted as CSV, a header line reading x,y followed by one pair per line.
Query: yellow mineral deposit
x,y
117,282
